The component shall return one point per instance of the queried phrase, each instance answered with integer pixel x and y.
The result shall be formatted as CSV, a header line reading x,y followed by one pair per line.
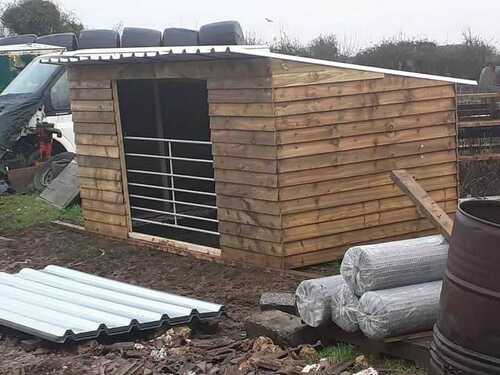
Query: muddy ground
x,y
237,288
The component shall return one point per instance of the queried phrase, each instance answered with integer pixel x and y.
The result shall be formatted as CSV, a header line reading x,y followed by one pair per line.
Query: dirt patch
x,y
238,289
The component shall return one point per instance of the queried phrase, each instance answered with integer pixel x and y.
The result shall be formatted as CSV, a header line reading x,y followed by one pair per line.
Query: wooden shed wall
x,y
339,137
302,154
244,149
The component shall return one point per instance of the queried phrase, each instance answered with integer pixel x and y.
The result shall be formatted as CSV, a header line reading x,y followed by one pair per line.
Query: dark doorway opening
x,y
166,133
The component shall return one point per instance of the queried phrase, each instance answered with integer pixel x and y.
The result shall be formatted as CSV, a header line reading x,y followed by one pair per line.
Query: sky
x,y
359,23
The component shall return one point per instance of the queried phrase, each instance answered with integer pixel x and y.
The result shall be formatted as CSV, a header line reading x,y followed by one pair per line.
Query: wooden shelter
x,y
300,158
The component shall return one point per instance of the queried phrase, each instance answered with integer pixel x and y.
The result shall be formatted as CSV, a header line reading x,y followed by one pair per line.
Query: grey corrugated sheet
x,y
60,304
196,53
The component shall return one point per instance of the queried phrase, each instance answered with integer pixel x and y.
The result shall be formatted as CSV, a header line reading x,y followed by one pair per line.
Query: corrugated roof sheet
x,y
34,48
60,304
164,54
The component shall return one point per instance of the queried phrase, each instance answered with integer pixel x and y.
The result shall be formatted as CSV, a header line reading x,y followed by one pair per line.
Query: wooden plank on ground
x,y
63,189
423,201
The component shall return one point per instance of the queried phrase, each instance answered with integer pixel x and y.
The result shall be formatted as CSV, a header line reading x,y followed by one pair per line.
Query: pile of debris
x,y
385,290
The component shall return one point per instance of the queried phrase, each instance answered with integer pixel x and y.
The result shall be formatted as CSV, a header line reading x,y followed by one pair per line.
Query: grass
x,y
20,211
401,367
339,353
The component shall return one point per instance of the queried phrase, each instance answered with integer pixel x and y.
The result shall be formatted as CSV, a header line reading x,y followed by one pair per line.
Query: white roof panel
x,y
31,48
143,54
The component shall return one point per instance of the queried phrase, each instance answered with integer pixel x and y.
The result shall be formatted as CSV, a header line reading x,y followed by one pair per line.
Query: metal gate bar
x,y
173,211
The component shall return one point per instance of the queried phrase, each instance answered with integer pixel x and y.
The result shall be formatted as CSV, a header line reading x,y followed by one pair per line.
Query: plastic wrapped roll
x,y
345,308
399,311
313,298
394,264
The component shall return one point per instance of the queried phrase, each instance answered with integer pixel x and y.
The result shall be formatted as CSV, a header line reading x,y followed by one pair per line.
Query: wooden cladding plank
x,y
281,66
363,141
250,231
424,202
101,195
87,84
388,126
231,255
364,114
244,137
362,194
337,212
92,105
410,229
100,173
244,151
228,83
248,204
206,70
363,100
367,167
242,164
98,162
241,110
240,96
252,245
106,229
104,217
353,224
388,83
328,75
250,218
106,185
364,181
103,151
96,139
96,128
242,123
246,178
94,117
91,94
345,224
354,155
247,191
106,207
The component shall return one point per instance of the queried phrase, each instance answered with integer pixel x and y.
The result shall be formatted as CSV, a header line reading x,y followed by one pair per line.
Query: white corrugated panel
x,y
164,54
58,304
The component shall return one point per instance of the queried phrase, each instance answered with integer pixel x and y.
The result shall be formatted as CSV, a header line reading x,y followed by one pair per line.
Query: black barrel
x,y
467,333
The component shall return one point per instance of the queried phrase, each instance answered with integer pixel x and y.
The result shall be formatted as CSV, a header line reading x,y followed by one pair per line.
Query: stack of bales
x,y
384,290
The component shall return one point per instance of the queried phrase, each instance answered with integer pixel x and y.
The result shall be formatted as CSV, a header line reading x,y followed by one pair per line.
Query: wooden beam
x,y
423,201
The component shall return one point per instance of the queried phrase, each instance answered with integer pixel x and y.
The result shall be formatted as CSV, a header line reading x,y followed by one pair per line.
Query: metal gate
x,y
175,188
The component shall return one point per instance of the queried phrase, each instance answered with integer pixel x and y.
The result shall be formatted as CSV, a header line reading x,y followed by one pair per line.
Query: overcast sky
x,y
360,21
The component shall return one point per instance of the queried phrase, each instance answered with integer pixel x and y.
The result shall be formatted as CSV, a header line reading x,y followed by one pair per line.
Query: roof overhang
x,y
204,53
31,48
